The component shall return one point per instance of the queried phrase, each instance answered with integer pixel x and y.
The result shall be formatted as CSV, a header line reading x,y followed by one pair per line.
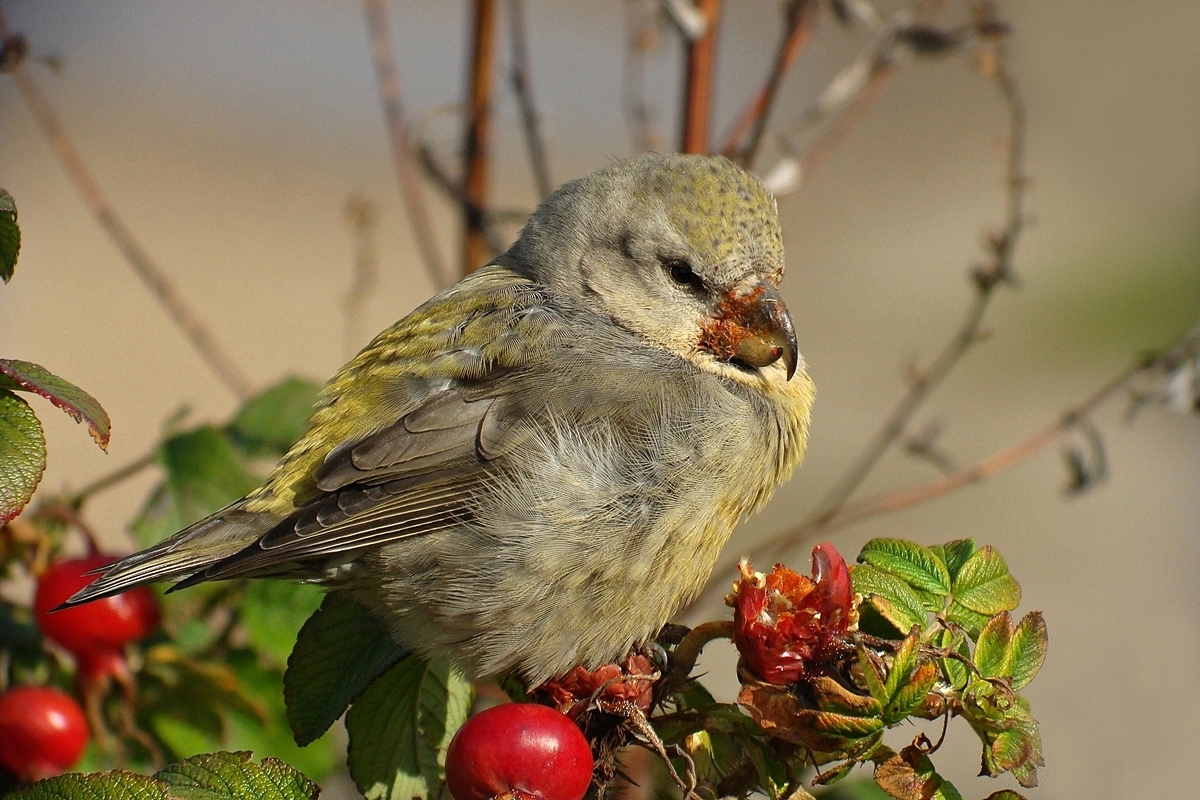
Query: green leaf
x,y
1028,648
70,398
915,565
894,599
955,671
10,236
115,785
401,726
956,553
970,621
339,651
271,421
216,776
904,662
1005,794
911,695
984,585
273,612
992,653
203,474
22,454
273,737
875,682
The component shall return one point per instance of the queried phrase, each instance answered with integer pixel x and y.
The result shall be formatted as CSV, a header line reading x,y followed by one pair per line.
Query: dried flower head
x,y
786,623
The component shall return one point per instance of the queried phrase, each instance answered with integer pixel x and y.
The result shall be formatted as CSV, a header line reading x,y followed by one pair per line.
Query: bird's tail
x,y
213,538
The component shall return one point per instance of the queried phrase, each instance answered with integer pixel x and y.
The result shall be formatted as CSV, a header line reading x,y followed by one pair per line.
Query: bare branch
x,y
388,76
698,89
1001,247
520,78
478,137
362,218
801,22
164,290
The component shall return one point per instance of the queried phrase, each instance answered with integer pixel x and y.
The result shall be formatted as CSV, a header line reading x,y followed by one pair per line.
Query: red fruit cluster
x,y
42,732
95,633
519,751
785,623
612,683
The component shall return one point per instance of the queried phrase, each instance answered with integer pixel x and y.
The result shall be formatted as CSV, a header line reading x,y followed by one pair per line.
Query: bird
x,y
538,467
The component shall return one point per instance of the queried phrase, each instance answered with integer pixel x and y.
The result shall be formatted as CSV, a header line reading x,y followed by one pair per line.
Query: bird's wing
x,y
421,420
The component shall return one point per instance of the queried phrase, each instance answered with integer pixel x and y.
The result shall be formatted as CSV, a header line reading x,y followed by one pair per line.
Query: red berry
x,y
519,750
97,631
42,732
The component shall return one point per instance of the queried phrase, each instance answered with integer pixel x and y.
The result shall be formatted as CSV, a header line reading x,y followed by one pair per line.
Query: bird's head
x,y
683,251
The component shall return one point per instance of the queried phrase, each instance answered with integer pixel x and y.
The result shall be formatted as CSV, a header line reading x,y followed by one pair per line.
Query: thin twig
x,y
106,482
1002,247
180,313
402,156
362,218
801,22
478,137
455,191
698,89
819,152
520,78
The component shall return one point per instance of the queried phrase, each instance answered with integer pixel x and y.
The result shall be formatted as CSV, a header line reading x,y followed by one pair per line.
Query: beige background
x,y
229,136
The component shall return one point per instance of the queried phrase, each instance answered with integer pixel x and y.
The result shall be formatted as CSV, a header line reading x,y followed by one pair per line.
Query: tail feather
x,y
191,550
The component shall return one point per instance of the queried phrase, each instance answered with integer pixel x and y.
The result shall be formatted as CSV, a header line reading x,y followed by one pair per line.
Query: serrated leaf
x,y
955,671
401,726
271,421
22,454
203,474
894,599
1028,647
956,553
970,621
984,584
114,785
875,682
830,695
10,236
992,655
233,776
339,651
915,565
911,695
909,775
904,662
272,613
80,405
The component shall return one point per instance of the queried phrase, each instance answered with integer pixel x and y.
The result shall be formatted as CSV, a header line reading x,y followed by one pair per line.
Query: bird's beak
x,y
753,328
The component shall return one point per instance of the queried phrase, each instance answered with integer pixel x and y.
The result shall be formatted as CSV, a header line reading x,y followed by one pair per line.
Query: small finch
x,y
538,467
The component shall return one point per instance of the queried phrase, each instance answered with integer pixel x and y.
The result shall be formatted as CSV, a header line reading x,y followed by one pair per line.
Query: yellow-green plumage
x,y
539,466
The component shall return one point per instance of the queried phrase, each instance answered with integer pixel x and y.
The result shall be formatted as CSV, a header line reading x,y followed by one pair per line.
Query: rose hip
x,y
42,732
519,751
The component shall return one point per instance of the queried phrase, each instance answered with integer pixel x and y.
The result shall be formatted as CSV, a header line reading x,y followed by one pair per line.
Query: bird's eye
x,y
681,272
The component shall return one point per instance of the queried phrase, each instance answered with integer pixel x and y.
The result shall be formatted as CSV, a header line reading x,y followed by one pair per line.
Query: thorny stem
x,y
402,155
478,137
181,314
683,658
698,89
801,22
530,119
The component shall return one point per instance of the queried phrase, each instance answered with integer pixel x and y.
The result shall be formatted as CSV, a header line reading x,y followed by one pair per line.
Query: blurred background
x,y
230,137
